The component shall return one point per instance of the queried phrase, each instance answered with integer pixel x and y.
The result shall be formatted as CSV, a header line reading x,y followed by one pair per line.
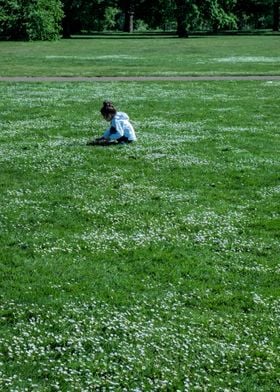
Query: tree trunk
x,y
182,9
130,22
127,7
276,6
181,29
66,31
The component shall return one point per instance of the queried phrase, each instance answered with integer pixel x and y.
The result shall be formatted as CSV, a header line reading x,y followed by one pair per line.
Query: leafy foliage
x,y
182,15
10,11
42,19
31,20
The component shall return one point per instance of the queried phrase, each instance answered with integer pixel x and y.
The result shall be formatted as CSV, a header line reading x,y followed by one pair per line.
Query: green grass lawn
x,y
148,267
126,56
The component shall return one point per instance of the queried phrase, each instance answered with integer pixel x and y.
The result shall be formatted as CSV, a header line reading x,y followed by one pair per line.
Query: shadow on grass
x,y
159,34
104,35
171,34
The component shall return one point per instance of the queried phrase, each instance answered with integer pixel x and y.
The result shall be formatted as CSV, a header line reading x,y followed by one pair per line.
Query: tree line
x,y
51,19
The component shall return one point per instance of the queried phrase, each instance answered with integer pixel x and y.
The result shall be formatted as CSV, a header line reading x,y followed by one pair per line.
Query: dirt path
x,y
134,78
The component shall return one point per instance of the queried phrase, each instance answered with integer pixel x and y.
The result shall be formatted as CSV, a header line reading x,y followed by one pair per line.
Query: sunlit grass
x,y
148,267
136,55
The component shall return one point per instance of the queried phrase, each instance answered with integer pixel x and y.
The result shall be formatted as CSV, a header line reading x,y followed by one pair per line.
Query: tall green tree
x,y
30,19
257,13
217,14
43,19
87,15
11,26
207,14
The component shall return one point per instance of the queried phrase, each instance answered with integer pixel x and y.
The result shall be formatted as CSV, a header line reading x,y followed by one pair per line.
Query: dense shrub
x,y
30,20
10,12
43,19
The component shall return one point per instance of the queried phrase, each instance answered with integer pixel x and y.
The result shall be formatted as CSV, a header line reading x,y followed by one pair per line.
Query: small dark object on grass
x,y
101,142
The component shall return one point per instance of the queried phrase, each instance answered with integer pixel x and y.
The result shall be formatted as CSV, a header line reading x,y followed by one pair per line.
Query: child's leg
x,y
123,139
106,134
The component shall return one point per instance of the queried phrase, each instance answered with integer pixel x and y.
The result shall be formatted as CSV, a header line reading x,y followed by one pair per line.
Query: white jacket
x,y
120,126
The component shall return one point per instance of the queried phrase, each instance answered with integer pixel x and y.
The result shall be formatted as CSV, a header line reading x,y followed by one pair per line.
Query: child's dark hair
x,y
108,108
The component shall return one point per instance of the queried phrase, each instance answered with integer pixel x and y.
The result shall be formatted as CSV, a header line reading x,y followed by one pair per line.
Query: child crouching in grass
x,y
120,130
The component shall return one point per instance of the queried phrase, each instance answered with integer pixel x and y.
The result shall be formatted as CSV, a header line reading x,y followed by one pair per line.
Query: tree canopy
x,y
49,19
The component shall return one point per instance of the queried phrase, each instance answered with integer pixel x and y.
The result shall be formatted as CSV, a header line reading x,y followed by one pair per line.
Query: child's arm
x,y
115,130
